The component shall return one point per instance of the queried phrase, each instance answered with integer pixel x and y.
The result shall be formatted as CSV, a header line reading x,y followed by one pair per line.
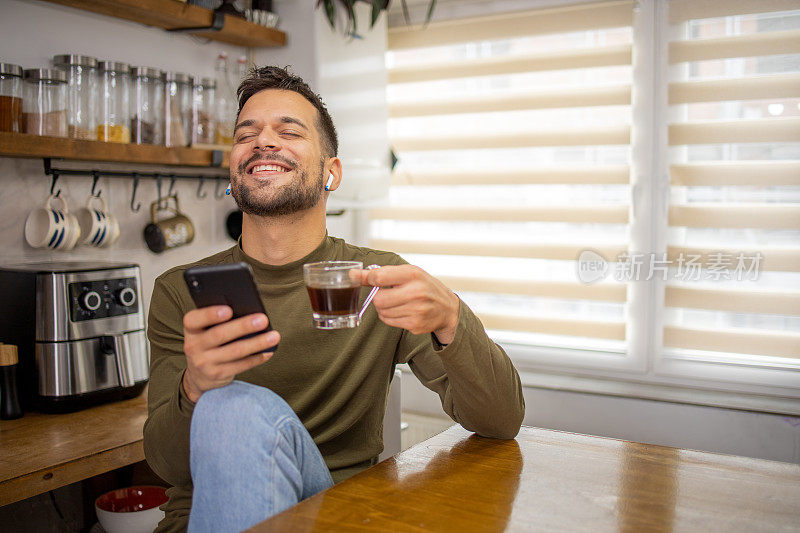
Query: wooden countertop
x,y
41,452
553,481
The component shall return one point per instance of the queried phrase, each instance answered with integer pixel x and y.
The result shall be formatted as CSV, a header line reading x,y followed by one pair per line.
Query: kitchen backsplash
x,y
25,187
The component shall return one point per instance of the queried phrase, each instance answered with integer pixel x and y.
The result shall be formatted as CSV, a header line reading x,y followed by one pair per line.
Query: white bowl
x,y
131,510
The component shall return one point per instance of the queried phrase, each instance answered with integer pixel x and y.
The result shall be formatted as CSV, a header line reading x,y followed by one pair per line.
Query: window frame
x,y
646,369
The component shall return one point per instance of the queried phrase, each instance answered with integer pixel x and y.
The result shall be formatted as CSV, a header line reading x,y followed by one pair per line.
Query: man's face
x,y
276,162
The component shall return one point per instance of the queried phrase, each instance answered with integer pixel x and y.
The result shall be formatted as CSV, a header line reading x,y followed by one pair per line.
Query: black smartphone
x,y
229,284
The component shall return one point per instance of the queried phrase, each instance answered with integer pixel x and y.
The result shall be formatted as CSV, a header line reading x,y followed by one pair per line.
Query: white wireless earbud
x,y
329,182
228,190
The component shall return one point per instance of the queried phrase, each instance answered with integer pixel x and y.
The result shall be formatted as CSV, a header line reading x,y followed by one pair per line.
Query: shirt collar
x,y
290,272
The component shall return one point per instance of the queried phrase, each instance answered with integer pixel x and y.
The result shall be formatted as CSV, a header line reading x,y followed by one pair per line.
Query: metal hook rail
x,y
55,173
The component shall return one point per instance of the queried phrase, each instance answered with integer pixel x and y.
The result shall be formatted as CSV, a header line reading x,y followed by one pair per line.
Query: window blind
x,y
734,136
513,135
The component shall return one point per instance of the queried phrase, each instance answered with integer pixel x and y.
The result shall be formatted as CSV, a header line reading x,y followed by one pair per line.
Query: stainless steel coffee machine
x,y
80,332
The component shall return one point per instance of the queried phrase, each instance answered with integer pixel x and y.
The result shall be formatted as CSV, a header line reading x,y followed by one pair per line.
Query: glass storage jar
x,y
204,131
81,94
147,105
44,104
178,109
112,124
11,98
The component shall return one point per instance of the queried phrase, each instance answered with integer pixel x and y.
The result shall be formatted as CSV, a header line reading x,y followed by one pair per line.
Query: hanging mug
x,y
166,233
52,227
98,226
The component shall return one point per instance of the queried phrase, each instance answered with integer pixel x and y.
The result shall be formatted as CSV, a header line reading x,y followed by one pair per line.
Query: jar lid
x,y
74,59
146,72
7,69
45,74
180,77
113,66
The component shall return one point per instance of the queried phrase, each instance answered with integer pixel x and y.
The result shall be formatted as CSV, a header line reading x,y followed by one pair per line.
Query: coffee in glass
x,y
333,292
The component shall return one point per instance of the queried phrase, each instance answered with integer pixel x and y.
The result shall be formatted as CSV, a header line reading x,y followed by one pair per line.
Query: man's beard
x,y
299,195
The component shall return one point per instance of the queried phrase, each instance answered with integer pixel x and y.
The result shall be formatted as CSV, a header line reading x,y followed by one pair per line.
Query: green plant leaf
x,y
377,7
330,12
352,23
431,7
405,12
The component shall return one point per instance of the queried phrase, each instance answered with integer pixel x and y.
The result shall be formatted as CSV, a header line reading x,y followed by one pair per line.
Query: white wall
x,y
297,19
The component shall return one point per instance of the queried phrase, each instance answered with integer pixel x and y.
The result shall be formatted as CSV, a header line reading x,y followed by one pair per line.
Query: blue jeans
x,y
251,458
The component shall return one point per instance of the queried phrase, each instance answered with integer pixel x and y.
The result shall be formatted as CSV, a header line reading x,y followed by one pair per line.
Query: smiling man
x,y
241,432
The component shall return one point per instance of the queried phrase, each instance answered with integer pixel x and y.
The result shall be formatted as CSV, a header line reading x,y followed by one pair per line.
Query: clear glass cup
x,y
147,105
334,293
44,107
82,98
112,125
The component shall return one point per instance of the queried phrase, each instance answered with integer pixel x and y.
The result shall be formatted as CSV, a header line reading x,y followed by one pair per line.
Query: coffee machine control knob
x,y
91,301
126,296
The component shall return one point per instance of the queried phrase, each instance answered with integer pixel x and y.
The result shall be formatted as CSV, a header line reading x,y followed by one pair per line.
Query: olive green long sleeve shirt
x,y
336,381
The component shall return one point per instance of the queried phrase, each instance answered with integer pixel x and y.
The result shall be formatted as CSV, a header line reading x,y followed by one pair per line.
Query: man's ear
x,y
334,171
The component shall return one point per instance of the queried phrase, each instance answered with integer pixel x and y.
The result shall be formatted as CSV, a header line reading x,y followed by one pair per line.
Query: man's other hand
x,y
210,361
412,299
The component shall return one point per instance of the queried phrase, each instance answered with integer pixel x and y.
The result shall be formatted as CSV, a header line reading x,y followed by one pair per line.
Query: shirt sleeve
x,y
474,378
166,430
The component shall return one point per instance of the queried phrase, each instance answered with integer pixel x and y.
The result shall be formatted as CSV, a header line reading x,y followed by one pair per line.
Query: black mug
x,y
233,224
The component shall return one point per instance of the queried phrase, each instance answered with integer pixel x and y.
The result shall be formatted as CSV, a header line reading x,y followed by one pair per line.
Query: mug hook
x,y
135,177
158,190
171,184
201,195
95,177
53,180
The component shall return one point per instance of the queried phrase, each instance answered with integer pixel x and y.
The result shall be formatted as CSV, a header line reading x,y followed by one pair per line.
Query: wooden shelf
x,y
172,14
35,146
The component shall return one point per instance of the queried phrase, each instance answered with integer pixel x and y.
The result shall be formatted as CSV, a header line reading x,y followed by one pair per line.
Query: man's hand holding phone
x,y
214,356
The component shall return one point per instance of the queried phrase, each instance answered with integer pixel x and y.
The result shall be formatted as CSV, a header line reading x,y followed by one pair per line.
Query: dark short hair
x,y
261,78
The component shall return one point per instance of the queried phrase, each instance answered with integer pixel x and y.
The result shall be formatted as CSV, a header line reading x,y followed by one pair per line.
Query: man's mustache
x,y
273,158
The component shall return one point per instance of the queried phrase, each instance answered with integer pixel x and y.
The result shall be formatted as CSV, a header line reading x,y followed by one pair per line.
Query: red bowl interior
x,y
131,499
